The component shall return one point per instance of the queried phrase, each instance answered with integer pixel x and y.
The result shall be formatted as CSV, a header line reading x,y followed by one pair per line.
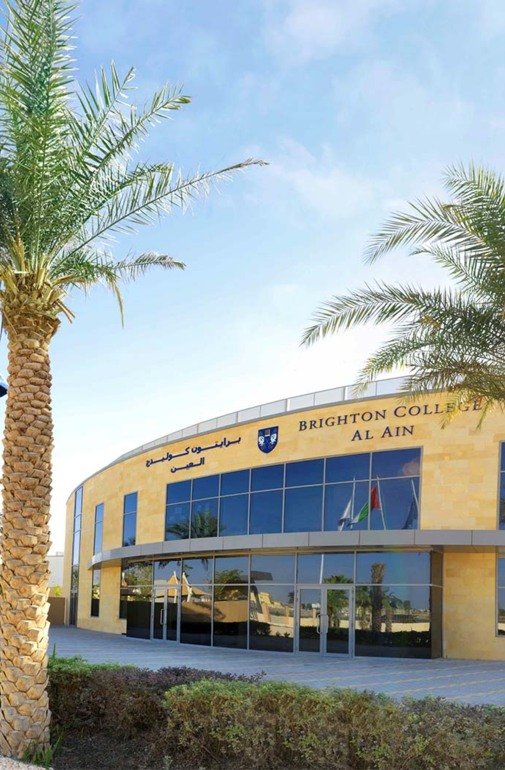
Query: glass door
x,y
165,614
325,619
338,620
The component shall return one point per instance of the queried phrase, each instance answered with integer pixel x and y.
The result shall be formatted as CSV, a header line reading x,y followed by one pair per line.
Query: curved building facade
x,y
324,523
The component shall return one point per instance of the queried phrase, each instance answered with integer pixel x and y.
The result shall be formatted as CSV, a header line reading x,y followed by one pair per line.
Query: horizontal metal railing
x,y
274,408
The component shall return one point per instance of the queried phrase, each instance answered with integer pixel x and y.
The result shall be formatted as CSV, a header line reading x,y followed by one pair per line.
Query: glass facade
x,y
291,602
501,507
76,548
500,596
95,593
377,491
130,502
98,534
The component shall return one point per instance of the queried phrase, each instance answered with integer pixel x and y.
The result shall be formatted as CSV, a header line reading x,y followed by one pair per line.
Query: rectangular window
x,y
98,538
501,508
501,596
95,594
76,547
130,518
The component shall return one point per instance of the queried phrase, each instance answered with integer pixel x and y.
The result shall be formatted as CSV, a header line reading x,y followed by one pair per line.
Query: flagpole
x,y
380,501
416,499
352,501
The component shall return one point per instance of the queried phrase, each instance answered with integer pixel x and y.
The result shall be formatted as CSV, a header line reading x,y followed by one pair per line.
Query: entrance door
x,y
325,619
165,614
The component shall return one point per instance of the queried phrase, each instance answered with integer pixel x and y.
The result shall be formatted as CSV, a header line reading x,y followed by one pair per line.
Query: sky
x,y
358,106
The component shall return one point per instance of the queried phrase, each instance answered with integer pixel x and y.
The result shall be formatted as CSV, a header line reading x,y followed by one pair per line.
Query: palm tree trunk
x,y
24,540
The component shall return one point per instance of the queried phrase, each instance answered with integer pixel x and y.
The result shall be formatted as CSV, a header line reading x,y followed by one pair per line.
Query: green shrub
x,y
276,725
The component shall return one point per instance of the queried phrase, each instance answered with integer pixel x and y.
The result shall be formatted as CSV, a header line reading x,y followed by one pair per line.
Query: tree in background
x,y
449,338
67,181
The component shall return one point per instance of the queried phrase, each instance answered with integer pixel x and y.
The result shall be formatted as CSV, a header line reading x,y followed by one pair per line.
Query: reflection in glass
x,y
278,569
208,486
230,615
95,593
309,631
393,621
268,477
501,611
204,518
502,498
398,462
179,492
271,617
137,610
343,506
393,567
266,512
235,482
129,529
348,468
177,521
137,573
231,569
167,571
398,504
197,570
304,472
233,513
196,609
97,541
338,621
309,568
338,568
303,509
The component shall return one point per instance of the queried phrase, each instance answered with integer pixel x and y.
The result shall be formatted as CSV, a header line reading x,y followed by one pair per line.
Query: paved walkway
x,y
465,681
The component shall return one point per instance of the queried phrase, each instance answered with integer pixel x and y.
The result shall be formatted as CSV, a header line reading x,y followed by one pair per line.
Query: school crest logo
x,y
267,439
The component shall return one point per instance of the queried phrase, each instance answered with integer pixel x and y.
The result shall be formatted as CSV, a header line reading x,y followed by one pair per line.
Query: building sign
x,y
377,423
195,450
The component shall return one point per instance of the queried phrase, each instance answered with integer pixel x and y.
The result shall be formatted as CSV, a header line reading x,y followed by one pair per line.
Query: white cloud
x,y
299,31
316,184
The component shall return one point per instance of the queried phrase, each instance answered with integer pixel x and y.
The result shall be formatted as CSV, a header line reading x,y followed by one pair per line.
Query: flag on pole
x,y
411,520
370,505
346,515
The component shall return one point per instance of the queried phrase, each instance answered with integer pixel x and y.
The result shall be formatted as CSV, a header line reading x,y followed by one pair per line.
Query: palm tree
x,y
67,181
450,338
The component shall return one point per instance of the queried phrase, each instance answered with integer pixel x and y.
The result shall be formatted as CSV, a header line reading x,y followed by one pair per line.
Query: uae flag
x,y
373,503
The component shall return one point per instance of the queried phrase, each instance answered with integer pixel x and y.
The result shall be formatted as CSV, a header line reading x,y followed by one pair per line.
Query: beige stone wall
x,y
459,490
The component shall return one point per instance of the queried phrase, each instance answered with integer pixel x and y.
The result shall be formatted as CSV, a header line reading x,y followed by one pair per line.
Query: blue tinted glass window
x,y
501,572
129,529
394,504
303,509
206,487
78,502
233,513
204,518
277,569
197,570
383,566
97,545
398,462
231,569
180,492
269,477
502,463
309,567
234,483
338,568
501,510
177,521
167,570
345,506
305,472
130,503
349,468
266,512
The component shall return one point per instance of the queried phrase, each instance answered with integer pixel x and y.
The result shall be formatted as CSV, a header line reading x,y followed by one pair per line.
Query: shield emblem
x,y
267,439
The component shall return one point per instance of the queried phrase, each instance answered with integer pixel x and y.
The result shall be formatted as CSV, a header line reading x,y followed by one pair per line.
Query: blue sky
x,y
357,105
